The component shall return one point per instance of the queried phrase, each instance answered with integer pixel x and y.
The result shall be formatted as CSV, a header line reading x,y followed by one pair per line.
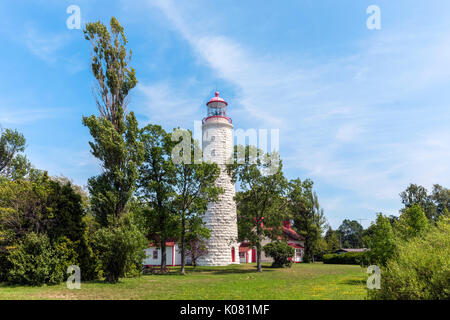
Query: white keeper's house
x,y
221,219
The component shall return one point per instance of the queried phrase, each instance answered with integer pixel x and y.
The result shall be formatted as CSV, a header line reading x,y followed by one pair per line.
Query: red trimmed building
x,y
153,255
247,254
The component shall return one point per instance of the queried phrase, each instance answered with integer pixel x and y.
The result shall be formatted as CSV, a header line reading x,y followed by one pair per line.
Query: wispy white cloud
x,y
14,116
45,46
356,122
163,102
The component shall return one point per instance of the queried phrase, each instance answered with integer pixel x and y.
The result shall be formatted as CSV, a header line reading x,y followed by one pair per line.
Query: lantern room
x,y
217,108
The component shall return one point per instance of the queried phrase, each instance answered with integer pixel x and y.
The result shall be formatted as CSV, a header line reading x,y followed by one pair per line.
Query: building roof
x,y
295,245
288,233
168,244
292,234
352,249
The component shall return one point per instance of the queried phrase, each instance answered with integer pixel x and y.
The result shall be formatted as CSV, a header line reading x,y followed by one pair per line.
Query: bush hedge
x,y
36,261
120,250
345,258
420,270
280,252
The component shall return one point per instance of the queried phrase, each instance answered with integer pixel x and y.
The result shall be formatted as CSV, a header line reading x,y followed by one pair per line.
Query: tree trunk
x,y
258,257
183,254
163,255
258,246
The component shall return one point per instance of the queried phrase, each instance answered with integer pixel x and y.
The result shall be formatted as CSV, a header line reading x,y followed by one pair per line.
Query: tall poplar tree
x,y
114,132
13,164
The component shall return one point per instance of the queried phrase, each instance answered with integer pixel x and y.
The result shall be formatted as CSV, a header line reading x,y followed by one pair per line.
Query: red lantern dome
x,y
217,108
216,101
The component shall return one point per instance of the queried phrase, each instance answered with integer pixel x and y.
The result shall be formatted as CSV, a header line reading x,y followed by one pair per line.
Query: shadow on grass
x,y
233,269
15,285
353,282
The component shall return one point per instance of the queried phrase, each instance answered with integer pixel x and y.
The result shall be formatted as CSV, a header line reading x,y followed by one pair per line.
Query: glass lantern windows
x,y
216,112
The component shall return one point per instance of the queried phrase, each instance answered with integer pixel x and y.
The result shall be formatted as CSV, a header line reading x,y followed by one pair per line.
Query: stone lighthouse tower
x,y
220,218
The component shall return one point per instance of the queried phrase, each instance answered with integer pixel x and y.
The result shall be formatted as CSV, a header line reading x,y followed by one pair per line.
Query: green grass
x,y
302,281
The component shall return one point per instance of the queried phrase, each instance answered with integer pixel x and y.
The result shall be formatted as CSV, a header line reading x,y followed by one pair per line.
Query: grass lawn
x,y
302,281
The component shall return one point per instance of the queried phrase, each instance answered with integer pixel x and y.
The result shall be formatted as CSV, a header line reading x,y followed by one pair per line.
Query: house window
x,y
155,254
298,255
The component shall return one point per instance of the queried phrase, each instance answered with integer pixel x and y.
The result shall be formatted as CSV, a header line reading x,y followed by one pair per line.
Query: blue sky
x,y
361,112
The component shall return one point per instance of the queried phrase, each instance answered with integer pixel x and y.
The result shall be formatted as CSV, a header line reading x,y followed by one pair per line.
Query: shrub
x,y
281,253
420,269
120,250
35,261
4,263
345,258
88,262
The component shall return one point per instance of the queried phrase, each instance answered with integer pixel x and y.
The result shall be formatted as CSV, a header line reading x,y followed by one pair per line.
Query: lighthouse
x,y
220,218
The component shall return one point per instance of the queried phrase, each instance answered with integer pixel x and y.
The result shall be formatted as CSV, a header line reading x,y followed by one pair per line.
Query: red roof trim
x,y
168,244
295,245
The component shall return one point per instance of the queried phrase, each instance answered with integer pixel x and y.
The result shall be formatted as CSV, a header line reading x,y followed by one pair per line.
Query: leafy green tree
x,y
418,195
351,232
194,187
309,219
13,164
434,204
45,207
196,237
24,208
320,248
441,199
332,240
412,223
261,203
115,133
381,241
156,187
